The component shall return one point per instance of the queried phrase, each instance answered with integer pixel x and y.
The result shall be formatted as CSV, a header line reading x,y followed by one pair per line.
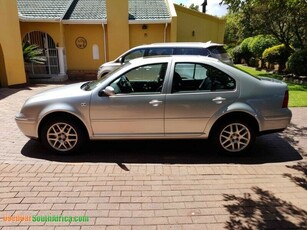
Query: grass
x,y
297,92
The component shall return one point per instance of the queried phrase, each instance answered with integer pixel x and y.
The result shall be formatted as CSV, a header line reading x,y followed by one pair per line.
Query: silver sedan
x,y
160,97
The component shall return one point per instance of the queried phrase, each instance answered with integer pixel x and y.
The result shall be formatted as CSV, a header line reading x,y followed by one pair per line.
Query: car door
x,y
132,112
198,92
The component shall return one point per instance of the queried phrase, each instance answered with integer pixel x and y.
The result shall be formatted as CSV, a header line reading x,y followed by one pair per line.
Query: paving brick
x,y
85,206
11,207
94,227
97,213
120,213
63,206
108,221
15,200
155,220
55,199
27,194
77,200
40,206
48,194
15,228
132,221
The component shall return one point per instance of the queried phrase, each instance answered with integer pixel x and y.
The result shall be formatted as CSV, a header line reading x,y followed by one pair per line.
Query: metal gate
x,y
45,42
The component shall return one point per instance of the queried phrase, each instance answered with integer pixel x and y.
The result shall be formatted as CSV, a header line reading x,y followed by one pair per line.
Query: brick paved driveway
x,y
152,184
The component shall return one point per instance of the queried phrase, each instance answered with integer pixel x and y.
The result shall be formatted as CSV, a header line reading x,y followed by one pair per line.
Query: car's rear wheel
x,y
62,135
234,137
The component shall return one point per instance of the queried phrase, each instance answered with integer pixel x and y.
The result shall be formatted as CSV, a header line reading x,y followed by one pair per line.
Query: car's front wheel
x,y
234,137
62,135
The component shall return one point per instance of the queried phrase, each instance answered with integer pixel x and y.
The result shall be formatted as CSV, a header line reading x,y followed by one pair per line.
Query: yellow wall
x,y
54,29
205,27
153,34
82,59
12,71
117,28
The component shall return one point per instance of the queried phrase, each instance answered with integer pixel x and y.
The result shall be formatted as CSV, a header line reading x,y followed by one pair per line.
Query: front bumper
x,y
27,126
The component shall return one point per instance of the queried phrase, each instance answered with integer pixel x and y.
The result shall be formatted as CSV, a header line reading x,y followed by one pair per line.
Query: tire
x,y
233,137
62,135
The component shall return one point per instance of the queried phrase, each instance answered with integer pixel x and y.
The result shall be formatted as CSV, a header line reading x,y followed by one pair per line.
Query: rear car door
x,y
198,92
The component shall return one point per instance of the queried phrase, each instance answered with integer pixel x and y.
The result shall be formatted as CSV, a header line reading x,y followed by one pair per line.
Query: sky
x,y
213,7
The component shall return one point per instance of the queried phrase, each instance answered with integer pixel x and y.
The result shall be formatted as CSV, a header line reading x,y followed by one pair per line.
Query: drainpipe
x,y
104,42
165,30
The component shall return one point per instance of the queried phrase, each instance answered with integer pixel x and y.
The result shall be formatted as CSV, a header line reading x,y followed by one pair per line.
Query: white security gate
x,y
45,42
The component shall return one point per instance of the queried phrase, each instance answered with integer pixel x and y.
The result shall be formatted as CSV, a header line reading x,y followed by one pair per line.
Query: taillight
x,y
286,100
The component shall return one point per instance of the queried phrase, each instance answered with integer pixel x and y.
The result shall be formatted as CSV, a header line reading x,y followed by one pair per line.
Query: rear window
x,y
217,49
191,51
159,51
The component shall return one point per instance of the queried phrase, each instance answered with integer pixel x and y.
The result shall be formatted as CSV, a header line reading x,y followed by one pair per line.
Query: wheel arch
x,y
239,115
60,114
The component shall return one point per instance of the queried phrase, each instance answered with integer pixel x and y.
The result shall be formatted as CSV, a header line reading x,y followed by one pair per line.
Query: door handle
x,y
218,100
155,102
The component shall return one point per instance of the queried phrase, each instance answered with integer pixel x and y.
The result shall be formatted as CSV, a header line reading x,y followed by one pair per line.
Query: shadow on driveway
x,y
268,149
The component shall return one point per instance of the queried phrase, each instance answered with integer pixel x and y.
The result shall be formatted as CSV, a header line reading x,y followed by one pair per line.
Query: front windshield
x,y
88,86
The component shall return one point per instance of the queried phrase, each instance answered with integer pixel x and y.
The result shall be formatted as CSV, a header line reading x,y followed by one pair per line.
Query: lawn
x,y
297,92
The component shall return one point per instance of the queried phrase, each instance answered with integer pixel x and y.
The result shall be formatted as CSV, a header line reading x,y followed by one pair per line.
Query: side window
x,y
191,51
134,54
189,77
190,71
159,51
141,80
220,80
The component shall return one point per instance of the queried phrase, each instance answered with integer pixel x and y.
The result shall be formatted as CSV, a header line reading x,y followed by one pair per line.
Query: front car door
x,y
198,92
136,109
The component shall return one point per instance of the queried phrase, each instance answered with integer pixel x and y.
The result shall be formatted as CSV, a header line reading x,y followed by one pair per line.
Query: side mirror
x,y
109,91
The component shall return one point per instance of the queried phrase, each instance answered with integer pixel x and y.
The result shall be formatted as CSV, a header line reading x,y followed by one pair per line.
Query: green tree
x,y
232,30
284,19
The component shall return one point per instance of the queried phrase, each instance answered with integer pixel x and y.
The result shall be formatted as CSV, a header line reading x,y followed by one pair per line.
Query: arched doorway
x,y
44,41
3,77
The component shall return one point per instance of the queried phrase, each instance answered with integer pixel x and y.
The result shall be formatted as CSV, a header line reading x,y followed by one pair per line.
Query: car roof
x,y
180,44
180,58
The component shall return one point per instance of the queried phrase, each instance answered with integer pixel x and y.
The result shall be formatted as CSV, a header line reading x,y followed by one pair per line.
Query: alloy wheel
x,y
62,136
235,137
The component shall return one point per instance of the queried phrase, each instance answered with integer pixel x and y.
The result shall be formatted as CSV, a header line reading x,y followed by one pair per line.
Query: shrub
x,y
236,54
244,48
277,54
260,43
297,62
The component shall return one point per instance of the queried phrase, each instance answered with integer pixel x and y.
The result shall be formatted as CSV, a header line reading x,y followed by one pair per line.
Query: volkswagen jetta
x,y
160,97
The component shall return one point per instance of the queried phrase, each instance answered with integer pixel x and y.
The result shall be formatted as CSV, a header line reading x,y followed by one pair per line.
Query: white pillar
x,y
61,60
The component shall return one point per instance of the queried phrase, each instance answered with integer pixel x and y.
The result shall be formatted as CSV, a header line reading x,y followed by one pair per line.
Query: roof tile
x,y
90,9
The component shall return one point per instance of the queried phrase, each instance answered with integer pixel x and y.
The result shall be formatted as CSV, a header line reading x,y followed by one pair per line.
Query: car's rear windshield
x,y
217,49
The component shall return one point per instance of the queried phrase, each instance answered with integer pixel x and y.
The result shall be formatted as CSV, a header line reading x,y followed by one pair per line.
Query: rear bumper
x,y
276,123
